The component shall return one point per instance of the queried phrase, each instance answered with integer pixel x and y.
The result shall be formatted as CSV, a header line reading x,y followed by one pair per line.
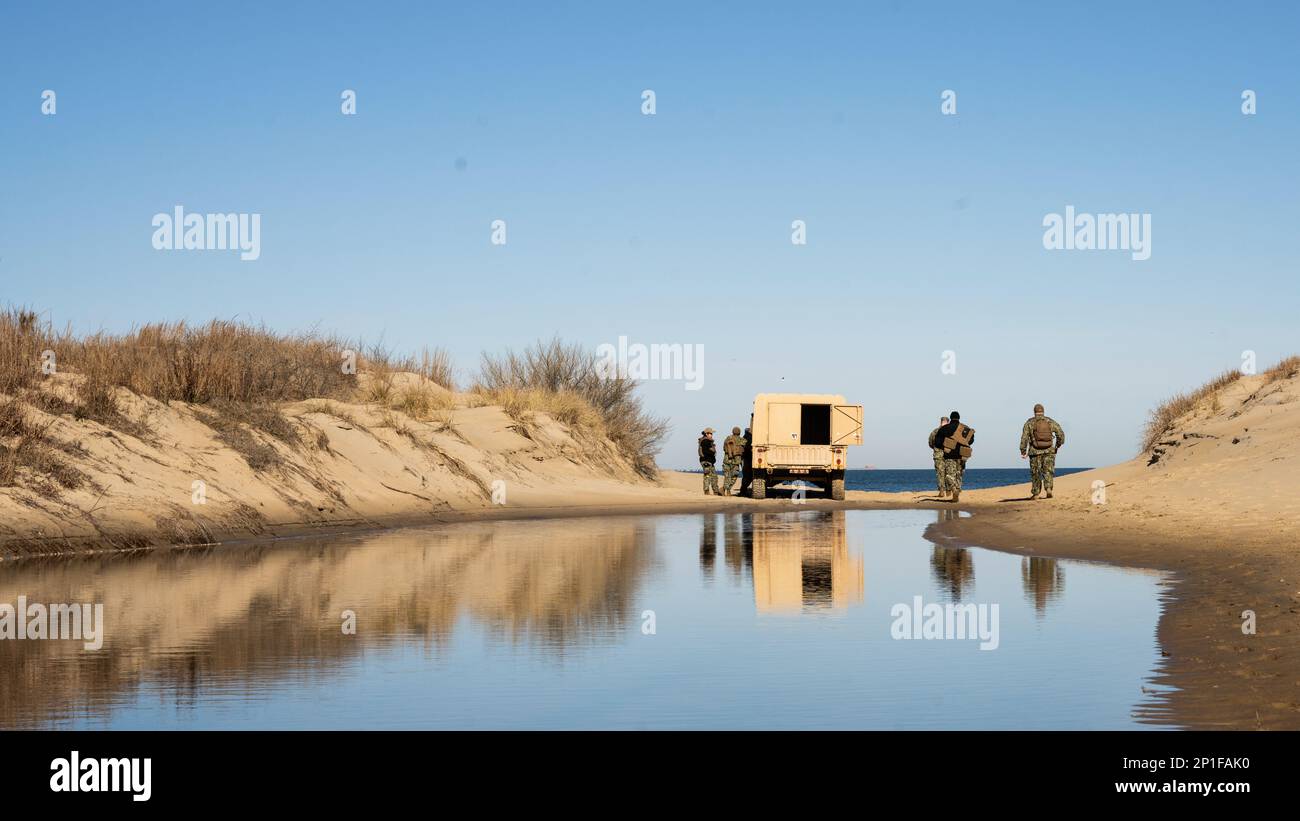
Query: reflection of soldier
x,y
708,458
708,545
1043,579
953,568
747,463
937,452
1040,439
733,450
735,545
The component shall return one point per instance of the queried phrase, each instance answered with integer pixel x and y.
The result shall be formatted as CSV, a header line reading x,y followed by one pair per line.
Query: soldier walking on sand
x,y
960,436
733,451
937,451
1040,439
708,458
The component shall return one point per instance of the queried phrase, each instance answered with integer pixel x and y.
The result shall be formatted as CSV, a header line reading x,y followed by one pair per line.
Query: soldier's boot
x,y
956,495
1049,494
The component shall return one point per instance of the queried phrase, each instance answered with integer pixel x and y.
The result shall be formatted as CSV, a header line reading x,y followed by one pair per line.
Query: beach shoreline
x,y
1214,676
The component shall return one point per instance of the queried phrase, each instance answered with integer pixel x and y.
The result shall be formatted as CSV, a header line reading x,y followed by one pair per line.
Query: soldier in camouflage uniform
x,y
708,458
953,465
938,458
733,451
1040,439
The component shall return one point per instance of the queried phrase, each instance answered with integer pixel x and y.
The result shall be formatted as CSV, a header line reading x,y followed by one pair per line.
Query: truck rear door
x,y
783,423
846,425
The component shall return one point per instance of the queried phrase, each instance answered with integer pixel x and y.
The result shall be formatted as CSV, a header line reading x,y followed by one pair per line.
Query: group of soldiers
x,y
735,461
1040,439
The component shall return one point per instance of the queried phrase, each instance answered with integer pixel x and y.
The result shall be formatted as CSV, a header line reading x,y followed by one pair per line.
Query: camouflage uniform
x,y
708,456
733,451
953,465
938,464
952,472
1042,461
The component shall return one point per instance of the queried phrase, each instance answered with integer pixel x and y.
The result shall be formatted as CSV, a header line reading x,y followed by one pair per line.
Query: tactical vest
x,y
734,446
959,441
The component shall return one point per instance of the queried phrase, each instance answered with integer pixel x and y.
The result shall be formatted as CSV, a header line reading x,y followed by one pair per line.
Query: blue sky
x,y
924,230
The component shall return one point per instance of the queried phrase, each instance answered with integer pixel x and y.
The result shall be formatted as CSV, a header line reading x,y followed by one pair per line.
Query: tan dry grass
x,y
566,380
1164,415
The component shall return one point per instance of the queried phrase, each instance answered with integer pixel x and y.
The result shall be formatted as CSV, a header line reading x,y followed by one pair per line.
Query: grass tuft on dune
x,y
1167,413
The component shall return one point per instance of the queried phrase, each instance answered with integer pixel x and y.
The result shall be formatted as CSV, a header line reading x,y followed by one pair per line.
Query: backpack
x,y
959,441
1042,432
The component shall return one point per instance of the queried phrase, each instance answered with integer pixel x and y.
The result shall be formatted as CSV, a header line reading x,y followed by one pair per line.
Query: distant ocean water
x,y
919,480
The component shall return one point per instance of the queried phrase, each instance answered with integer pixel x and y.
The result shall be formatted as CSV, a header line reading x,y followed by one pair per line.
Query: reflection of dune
x,y
184,618
802,560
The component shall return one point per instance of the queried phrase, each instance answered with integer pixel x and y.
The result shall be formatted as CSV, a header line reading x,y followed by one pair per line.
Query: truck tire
x,y
837,488
758,488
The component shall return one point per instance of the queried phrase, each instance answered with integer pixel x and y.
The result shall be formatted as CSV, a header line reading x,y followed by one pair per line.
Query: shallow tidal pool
x,y
782,620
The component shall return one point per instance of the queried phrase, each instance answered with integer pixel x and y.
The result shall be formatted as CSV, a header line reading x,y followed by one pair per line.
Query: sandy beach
x,y
1212,504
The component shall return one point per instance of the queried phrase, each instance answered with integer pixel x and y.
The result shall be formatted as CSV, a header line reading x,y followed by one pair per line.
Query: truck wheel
x,y
758,488
837,488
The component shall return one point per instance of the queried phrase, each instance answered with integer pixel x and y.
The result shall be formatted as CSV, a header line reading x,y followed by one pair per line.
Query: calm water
x,y
745,620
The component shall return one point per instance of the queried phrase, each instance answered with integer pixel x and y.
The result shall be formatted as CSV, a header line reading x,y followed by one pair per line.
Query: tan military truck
x,y
803,436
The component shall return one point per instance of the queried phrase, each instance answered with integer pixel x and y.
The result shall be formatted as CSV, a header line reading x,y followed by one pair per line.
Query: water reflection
x,y
953,569
802,561
189,618
1043,579
540,624
708,545
740,545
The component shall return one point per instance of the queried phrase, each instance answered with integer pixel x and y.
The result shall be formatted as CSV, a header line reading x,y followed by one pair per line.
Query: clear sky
x,y
924,230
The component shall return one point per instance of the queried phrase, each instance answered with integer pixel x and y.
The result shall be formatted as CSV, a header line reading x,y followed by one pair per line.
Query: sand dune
x,y
356,464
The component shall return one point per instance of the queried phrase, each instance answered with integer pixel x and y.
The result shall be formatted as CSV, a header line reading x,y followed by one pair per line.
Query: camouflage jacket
x,y
938,451
1027,438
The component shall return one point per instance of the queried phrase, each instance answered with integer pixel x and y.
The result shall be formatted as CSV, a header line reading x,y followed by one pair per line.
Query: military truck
x,y
803,436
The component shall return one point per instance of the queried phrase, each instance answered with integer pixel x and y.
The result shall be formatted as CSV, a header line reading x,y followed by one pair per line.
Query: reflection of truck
x,y
803,436
804,564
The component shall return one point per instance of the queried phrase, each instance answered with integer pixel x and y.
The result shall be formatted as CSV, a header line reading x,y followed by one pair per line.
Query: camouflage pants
x,y
1042,468
710,478
952,470
938,474
730,470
